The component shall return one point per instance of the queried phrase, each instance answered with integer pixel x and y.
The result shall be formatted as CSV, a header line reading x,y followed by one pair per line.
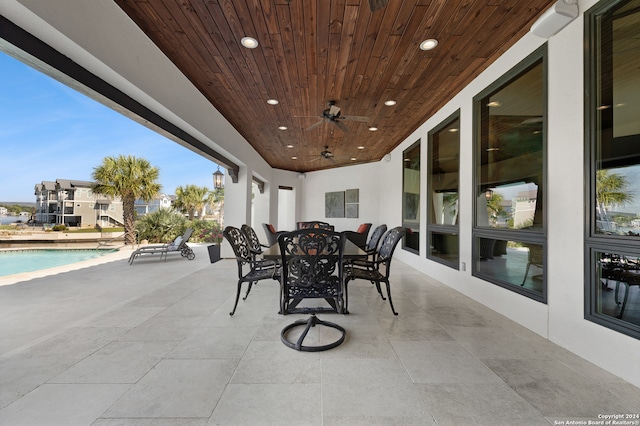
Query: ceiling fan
x,y
374,5
333,115
326,154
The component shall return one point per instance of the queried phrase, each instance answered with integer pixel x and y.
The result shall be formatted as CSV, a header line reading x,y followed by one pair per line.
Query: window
x,y
411,198
509,226
613,142
443,183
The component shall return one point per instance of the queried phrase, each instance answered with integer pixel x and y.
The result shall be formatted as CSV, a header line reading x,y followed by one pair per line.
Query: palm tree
x,y
494,206
611,189
218,202
192,199
129,178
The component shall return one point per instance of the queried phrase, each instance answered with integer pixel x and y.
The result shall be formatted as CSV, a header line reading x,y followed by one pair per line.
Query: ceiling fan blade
x,y
313,126
340,126
375,5
334,110
355,118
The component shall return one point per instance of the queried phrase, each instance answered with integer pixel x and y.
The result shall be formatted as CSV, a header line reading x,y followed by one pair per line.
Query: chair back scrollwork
x,y
388,246
238,241
252,239
372,245
257,270
312,262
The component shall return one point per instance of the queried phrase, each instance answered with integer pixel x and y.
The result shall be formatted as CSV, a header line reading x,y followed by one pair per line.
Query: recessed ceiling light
x,y
282,127
249,42
493,149
294,158
454,130
353,158
494,104
361,147
429,44
289,146
272,101
390,103
373,129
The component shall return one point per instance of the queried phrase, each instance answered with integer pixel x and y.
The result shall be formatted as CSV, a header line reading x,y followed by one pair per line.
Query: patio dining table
x,y
351,251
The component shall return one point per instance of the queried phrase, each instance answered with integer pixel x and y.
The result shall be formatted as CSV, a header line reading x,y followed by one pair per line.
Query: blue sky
x,y
49,131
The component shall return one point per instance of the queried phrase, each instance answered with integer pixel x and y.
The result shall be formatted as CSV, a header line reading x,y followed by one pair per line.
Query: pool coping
x,y
25,276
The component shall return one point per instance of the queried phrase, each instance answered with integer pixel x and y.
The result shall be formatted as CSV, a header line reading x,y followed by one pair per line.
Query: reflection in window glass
x,y
443,185
618,290
617,205
509,146
613,99
411,197
510,158
511,264
444,246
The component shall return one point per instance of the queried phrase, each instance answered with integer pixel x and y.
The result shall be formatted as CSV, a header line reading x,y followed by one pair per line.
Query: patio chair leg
x,y
389,296
248,290
345,309
526,272
237,298
377,284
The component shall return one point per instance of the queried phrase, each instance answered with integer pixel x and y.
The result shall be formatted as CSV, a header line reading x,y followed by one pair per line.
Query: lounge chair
x,y
179,245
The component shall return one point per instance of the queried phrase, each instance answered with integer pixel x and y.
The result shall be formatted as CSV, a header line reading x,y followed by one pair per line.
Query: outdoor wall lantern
x,y
217,178
489,194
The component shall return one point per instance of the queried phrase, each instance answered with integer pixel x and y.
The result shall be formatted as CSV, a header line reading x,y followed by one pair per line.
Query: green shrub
x,y
60,227
206,231
161,226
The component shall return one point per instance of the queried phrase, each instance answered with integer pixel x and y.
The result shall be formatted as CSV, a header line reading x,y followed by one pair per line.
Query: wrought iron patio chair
x,y
535,257
254,242
359,236
378,270
256,270
312,268
315,224
372,247
271,233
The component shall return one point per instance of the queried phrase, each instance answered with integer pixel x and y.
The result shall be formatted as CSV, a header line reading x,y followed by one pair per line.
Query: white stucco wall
x,y
561,320
364,177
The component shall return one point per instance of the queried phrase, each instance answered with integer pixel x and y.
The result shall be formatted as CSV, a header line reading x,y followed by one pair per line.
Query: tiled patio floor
x,y
153,344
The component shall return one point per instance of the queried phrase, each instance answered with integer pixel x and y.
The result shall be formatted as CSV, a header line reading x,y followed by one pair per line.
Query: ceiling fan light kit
x,y
334,115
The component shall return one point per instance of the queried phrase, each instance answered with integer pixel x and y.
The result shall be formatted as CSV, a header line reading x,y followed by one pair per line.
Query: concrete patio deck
x,y
153,344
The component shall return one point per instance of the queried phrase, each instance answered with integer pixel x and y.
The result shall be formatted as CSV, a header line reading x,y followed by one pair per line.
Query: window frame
x,y
598,242
533,236
434,227
416,144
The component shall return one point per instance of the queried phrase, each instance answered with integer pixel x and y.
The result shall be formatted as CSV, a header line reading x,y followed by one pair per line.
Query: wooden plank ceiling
x,y
314,51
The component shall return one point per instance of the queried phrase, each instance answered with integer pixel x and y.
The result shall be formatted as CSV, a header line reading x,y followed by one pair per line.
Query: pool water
x,y
18,261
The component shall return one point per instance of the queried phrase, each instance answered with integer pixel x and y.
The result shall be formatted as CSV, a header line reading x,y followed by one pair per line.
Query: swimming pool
x,y
18,261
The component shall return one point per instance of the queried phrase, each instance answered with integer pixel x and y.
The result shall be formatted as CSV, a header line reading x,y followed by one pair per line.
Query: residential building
x,y
46,202
161,201
72,203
